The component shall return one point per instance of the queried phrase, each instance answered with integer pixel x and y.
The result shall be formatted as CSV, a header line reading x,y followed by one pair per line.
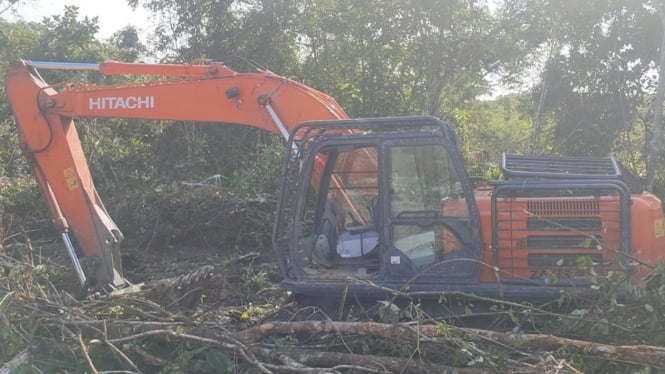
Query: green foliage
x,y
618,313
597,59
18,196
254,280
68,38
381,58
286,341
128,44
389,312
260,176
12,342
486,129
444,329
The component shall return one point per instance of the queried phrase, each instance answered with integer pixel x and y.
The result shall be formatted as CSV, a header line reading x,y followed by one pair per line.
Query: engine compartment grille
x,y
541,227
564,207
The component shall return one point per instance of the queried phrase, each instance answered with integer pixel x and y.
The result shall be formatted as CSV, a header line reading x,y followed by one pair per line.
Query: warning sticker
x,y
72,180
658,228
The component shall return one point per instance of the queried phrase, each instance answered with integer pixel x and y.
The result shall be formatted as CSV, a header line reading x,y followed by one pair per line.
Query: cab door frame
x,y
422,262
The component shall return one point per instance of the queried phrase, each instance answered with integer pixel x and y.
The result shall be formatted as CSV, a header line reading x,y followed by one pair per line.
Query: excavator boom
x,y
203,93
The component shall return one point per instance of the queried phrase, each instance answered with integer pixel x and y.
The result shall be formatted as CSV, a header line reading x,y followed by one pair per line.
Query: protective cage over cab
x,y
376,201
386,204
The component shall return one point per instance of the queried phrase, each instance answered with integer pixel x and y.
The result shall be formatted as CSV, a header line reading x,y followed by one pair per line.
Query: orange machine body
x,y
516,249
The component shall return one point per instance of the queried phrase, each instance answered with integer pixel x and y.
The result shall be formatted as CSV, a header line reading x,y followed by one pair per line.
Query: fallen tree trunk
x,y
366,363
15,362
637,354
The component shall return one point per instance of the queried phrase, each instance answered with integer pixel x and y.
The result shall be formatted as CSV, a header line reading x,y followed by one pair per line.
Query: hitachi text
x,y
129,102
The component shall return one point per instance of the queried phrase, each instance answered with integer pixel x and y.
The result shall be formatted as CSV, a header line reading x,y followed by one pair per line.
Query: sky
x,y
112,14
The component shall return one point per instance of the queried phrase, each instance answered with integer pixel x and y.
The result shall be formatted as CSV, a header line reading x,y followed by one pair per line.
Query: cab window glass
x,y
424,188
422,178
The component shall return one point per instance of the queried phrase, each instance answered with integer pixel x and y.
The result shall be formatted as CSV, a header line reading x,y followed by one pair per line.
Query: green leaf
x,y
389,312
444,329
586,243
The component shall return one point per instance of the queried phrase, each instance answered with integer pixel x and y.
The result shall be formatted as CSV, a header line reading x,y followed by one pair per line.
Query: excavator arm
x,y
205,93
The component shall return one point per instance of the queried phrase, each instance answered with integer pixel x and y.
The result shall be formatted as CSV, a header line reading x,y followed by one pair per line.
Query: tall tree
x,y
59,38
186,28
600,54
656,148
386,57
355,51
129,44
453,50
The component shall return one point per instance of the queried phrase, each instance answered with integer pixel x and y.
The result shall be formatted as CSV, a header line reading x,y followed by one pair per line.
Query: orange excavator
x,y
366,205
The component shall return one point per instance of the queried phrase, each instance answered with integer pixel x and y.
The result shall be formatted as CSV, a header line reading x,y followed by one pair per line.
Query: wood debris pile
x,y
232,317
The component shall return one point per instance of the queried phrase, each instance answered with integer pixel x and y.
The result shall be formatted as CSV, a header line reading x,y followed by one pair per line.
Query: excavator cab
x,y
382,202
